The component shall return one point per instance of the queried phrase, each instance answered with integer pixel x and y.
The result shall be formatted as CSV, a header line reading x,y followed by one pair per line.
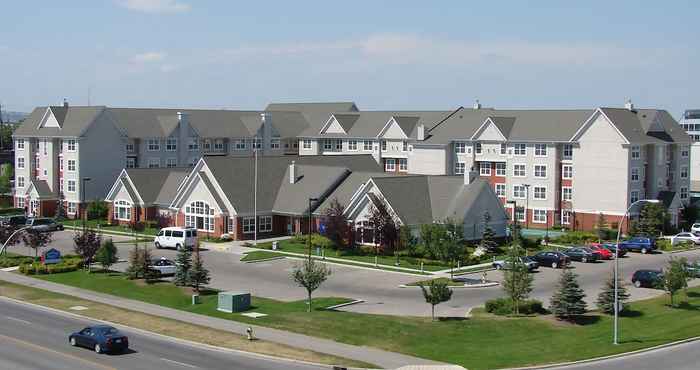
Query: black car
x,y
44,224
581,254
647,278
101,338
613,247
552,258
14,222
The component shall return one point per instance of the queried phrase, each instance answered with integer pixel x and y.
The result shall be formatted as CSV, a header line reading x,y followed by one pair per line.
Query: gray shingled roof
x,y
347,189
308,107
157,185
368,124
635,125
73,121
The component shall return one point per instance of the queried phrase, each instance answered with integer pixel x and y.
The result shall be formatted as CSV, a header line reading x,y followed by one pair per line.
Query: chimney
x,y
420,132
182,116
469,176
292,173
65,103
629,106
477,105
265,117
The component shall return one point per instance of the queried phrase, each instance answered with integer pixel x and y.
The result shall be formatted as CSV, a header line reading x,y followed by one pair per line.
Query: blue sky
x,y
380,54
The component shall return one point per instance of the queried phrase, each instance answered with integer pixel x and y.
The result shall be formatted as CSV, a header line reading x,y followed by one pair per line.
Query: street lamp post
x,y
616,304
82,199
311,200
255,193
512,224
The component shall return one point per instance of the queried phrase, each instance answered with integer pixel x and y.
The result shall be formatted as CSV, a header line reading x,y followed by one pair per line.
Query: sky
x,y
417,55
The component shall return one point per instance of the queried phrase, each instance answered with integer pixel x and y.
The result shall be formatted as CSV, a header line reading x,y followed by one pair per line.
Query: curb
x,y
266,259
345,304
486,285
414,274
175,339
110,232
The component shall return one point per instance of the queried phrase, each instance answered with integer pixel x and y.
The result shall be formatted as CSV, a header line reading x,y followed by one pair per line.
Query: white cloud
x,y
148,57
156,6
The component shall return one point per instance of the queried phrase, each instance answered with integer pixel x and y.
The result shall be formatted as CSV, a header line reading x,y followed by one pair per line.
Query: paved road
x,y
32,338
380,289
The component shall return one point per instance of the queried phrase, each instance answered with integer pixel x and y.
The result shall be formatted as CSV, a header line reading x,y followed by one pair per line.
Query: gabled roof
x,y
407,123
345,120
41,187
345,191
157,186
73,121
308,107
640,126
666,198
369,124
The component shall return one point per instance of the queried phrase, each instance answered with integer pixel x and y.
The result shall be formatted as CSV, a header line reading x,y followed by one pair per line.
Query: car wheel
x,y
638,284
73,342
178,246
498,267
584,259
644,251
157,245
555,265
98,349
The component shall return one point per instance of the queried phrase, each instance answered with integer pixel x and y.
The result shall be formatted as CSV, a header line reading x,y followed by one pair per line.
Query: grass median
x,y
480,342
256,256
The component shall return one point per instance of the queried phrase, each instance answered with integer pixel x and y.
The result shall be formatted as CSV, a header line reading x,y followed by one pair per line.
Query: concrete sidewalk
x,y
385,359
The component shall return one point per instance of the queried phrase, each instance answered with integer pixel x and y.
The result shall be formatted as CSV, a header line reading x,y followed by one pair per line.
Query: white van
x,y
175,237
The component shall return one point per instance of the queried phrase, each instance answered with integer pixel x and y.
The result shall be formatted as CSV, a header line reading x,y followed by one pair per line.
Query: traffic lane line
x,y
39,348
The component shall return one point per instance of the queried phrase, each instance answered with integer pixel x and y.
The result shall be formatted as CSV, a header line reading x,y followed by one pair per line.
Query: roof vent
x,y
292,173
477,105
629,106
420,132
65,103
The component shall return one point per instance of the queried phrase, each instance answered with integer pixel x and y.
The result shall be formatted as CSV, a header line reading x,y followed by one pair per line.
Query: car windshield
x,y
110,331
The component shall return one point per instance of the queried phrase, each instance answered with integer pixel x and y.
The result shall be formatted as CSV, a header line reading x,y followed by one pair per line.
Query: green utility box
x,y
233,301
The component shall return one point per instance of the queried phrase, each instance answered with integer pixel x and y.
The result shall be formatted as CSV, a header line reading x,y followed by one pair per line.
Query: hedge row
x,y
504,306
11,211
37,268
10,261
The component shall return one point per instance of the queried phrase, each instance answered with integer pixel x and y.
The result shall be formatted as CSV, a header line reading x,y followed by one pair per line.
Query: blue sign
x,y
51,256
322,228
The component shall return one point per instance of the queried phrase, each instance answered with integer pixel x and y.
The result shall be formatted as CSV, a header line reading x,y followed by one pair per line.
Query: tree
x,y
517,280
488,237
183,264
198,274
336,223
433,236
97,209
406,240
689,214
35,240
675,277
436,293
606,298
567,302
87,242
385,227
6,175
135,269
601,228
107,255
60,208
651,220
454,246
310,275
149,274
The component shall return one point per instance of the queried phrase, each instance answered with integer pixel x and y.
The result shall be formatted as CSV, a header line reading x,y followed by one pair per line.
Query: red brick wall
x,y
588,221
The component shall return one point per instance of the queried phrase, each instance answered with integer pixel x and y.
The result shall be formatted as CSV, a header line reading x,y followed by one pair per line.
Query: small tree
x,y
675,277
149,274
488,237
336,223
6,174
97,209
60,208
689,214
107,255
436,293
87,242
454,246
567,302
651,220
35,240
198,274
310,275
385,227
135,269
433,236
517,280
406,240
606,298
183,264
601,228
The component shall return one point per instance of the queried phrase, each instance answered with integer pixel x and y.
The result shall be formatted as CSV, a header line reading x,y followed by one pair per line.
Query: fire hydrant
x,y
484,277
249,332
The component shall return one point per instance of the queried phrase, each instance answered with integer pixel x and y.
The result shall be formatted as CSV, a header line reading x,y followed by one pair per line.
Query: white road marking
x,y
178,363
18,320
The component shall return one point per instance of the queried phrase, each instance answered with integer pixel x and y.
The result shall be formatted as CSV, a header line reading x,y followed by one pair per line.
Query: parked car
x,y
507,264
612,247
685,237
581,254
602,252
14,222
647,278
101,338
44,224
552,258
695,228
163,266
641,244
175,237
693,269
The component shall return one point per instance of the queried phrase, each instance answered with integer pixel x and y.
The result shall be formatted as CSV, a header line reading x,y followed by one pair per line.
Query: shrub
x,y
67,264
97,209
576,237
15,261
504,307
137,226
11,211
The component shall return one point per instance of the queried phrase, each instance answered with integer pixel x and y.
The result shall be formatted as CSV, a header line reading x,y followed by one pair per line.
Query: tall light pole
x,y
617,265
311,200
513,224
255,193
83,181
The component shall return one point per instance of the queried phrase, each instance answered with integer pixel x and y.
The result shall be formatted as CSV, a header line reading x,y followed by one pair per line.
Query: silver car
x,y
164,266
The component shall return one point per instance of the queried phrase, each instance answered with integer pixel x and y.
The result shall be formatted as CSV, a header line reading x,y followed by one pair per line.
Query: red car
x,y
603,253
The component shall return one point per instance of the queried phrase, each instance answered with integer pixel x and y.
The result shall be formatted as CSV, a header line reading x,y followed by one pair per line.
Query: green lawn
x,y
446,280
260,255
106,227
481,342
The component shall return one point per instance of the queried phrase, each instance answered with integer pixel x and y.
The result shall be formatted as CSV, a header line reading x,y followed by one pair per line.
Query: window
x,y
20,163
60,163
384,145
46,144
199,215
367,145
46,172
71,165
501,190
684,172
485,168
171,162
540,193
229,225
519,149
193,144
352,145
403,164
520,214
635,152
171,144
70,184
239,144
567,171
566,217
70,145
477,148
404,146
306,144
37,163
540,150
568,151
153,162
20,181
566,193
541,171
519,170
20,143
684,192
219,145
459,168
153,145
265,224
71,208
129,147
390,165
539,216
20,202
327,144
274,143
207,144
130,162
685,151
500,168
60,184
634,196
519,191
249,225
634,175
122,210
460,148
503,148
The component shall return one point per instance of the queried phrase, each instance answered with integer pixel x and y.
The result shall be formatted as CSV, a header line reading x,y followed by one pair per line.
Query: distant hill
x,y
13,116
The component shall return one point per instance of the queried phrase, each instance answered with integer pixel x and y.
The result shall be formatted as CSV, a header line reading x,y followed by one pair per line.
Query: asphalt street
x,y
33,338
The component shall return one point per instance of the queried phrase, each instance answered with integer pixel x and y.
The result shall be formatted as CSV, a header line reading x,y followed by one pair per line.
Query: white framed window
x,y
20,143
274,143
459,168
685,151
45,143
567,171
20,163
504,149
403,164
477,148
519,191
71,165
352,145
229,225
327,144
207,144
20,202
171,162
20,181
367,145
239,144
129,147
37,163
60,185
541,171
219,145
193,144
171,144
46,172
122,210
684,192
130,162
539,216
567,151
539,193
566,193
634,196
404,146
306,144
70,186
500,169
72,208
390,165
257,143
485,168
383,145
199,215
153,162
60,163
565,217
460,148
500,190
540,150
634,174
519,214
265,224
684,172
636,153
520,150
70,145
248,225
519,170
153,145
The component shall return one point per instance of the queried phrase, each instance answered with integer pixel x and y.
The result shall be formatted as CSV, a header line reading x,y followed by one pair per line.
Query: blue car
x,y
641,244
101,338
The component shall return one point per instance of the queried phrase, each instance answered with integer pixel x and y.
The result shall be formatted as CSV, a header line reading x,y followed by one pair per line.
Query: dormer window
x,y
477,148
